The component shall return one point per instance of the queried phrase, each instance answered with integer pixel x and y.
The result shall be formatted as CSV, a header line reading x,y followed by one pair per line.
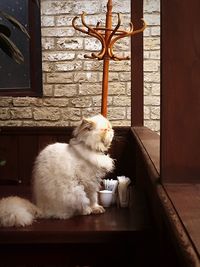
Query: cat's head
x,y
95,132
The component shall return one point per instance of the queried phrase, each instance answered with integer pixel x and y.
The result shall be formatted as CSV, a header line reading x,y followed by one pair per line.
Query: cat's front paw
x,y
97,209
87,211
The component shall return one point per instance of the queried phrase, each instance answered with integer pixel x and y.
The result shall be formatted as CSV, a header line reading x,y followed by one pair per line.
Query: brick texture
x,y
72,84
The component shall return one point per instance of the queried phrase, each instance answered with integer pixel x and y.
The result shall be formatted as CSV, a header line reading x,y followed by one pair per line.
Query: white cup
x,y
105,198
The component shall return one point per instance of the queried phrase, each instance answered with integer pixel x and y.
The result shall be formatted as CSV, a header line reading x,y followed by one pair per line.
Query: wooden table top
x,y
113,225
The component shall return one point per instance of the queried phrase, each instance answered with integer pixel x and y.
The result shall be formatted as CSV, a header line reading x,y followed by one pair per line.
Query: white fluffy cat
x,y
66,177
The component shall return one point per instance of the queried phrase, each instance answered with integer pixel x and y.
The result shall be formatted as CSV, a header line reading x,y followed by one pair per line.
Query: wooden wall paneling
x,y
63,138
27,153
119,151
65,135
125,157
9,153
180,95
28,142
52,135
45,140
137,66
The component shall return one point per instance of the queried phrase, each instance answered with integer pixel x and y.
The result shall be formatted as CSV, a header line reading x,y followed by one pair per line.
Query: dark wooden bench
x,y
108,239
148,233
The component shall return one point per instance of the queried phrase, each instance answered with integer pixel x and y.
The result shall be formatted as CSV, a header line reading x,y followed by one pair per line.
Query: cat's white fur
x,y
66,177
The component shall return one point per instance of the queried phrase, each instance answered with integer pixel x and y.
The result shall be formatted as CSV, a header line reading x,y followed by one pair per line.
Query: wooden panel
x,y
64,138
9,154
70,255
27,153
28,142
137,66
180,124
45,140
120,151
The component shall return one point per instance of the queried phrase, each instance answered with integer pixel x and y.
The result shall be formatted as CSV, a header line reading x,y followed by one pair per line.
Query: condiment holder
x,y
115,191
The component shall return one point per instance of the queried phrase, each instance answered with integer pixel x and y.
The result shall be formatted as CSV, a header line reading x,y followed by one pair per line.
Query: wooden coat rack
x,y
108,37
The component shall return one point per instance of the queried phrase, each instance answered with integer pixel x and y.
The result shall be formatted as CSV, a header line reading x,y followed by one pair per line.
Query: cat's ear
x,y
86,125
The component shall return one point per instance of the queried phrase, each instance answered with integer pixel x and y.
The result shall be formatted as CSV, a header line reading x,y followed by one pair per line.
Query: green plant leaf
x,y
15,22
10,48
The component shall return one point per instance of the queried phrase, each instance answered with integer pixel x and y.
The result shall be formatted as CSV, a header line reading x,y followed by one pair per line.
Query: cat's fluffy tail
x,y
16,211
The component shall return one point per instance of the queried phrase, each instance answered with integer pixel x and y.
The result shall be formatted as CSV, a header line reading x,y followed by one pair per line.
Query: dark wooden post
x,y
180,82
137,66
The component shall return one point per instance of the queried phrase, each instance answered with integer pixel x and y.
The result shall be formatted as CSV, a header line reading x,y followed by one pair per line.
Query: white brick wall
x,y
152,64
72,84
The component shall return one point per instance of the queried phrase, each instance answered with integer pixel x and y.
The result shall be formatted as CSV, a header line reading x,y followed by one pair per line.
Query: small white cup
x,y
105,198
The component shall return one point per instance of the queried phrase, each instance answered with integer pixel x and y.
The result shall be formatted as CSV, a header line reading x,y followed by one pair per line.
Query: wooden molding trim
x,y
165,207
